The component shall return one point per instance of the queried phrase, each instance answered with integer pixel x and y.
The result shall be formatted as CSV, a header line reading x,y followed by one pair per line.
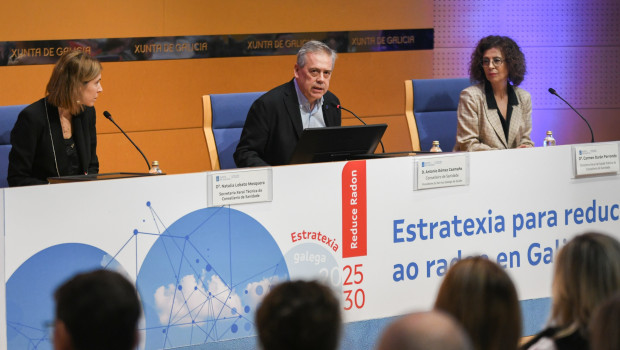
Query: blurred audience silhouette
x,y
300,315
587,272
97,310
604,325
432,330
482,297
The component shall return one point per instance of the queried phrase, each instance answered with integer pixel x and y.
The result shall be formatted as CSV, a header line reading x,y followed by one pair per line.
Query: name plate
x,y
239,187
441,171
595,159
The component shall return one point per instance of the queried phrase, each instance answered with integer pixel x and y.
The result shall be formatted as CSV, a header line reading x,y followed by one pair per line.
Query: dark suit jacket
x,y
273,127
32,161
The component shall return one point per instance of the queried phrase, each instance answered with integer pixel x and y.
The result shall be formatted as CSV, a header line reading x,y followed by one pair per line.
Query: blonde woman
x,y
587,272
604,325
56,135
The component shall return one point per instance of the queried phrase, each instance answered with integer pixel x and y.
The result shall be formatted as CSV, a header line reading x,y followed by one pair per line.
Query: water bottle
x,y
155,168
435,148
549,140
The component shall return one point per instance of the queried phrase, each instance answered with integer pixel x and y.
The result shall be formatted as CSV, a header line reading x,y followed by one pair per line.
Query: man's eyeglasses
x,y
497,61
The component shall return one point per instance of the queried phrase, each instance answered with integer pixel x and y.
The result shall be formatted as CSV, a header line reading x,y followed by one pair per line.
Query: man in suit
x,y
276,120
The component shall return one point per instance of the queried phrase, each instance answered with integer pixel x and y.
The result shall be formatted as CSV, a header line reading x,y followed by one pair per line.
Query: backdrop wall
x,y
571,47
159,102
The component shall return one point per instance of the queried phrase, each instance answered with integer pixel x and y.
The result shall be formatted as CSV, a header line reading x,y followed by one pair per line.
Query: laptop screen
x,y
337,143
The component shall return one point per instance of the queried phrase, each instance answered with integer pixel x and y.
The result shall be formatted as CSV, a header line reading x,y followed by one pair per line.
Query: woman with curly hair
x,y
495,113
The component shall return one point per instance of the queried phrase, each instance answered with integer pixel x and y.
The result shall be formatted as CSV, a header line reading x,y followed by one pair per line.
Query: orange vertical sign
x,y
354,209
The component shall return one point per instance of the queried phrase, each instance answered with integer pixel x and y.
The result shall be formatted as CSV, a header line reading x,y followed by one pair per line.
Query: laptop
x,y
337,143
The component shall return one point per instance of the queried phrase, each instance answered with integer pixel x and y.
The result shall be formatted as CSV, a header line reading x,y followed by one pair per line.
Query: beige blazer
x,y
479,128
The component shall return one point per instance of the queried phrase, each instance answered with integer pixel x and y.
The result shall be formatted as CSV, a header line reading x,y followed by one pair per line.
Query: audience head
x,y
433,330
300,315
482,297
604,325
97,310
587,272
514,59
76,73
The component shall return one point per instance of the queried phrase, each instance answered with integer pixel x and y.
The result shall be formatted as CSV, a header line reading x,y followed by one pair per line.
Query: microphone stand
x,y
109,117
552,91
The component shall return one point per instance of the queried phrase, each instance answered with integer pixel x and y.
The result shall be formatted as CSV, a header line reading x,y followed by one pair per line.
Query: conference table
x,y
368,228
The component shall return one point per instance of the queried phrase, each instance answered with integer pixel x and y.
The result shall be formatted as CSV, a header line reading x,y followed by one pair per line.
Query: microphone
x,y
552,91
358,118
109,116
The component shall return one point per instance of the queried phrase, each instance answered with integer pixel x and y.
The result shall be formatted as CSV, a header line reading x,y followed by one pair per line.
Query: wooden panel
x,y
23,84
274,16
72,19
371,84
178,151
167,94
159,102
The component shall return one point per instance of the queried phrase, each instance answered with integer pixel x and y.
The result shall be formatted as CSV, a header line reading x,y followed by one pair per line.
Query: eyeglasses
x,y
497,61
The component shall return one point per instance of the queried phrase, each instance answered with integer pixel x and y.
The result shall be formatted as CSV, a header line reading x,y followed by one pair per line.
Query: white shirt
x,y
543,343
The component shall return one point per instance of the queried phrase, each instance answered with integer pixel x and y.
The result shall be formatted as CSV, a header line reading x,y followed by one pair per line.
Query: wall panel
x,y
571,46
159,102
274,16
167,94
73,19
185,151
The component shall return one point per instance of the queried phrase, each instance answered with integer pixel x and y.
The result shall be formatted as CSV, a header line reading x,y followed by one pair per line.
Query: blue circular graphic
x,y
29,291
203,269
312,261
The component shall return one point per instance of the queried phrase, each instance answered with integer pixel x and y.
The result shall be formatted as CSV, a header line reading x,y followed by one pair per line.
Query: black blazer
x,y
273,127
571,341
32,160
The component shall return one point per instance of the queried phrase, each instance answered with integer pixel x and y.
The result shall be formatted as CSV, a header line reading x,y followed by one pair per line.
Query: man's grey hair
x,y
311,47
